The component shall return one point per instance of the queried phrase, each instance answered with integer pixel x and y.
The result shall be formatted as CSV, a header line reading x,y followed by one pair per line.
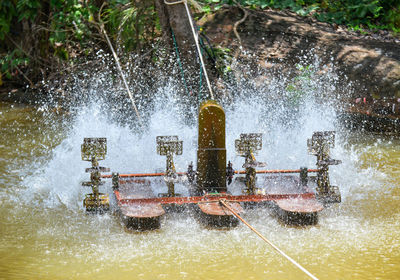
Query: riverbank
x,y
273,43
278,40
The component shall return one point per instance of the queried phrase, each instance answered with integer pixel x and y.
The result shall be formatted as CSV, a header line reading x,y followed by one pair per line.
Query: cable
x,y
196,40
222,201
101,25
179,62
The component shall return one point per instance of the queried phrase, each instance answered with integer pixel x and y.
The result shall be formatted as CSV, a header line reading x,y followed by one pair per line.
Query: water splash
x,y
47,215
285,126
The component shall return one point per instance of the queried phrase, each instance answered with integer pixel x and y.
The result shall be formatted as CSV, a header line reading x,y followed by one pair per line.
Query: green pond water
x,y
45,233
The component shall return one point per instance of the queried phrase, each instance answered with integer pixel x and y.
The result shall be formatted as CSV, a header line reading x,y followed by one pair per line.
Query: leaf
x,y
301,12
207,9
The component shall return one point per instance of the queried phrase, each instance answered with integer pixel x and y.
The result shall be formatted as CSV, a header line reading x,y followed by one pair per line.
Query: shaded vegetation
x,y
357,14
41,39
48,39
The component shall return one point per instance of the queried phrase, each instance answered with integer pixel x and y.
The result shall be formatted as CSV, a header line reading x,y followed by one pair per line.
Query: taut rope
x,y
222,201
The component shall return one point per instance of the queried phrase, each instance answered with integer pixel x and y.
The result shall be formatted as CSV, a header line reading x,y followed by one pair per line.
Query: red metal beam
x,y
211,198
143,175
277,171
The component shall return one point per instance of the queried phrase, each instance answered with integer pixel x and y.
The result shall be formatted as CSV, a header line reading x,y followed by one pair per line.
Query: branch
x,y
23,74
239,22
101,25
195,5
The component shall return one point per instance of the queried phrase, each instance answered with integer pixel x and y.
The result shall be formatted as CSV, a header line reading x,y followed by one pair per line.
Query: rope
x,y
222,201
118,64
179,62
199,97
196,40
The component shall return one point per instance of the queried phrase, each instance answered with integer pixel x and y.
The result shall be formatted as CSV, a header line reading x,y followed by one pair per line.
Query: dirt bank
x,y
371,62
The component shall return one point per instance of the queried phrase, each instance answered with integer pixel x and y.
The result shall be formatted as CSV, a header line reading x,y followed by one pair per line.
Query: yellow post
x,y
211,153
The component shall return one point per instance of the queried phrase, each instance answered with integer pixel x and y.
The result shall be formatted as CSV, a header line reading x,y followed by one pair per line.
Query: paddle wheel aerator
x,y
289,192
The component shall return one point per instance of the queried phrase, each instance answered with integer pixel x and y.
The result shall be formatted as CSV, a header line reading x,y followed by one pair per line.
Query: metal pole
x,y
278,171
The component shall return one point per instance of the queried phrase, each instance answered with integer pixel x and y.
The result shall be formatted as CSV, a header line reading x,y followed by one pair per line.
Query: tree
x,y
177,34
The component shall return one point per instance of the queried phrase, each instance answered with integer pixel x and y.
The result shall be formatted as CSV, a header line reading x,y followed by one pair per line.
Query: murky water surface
x,y
45,233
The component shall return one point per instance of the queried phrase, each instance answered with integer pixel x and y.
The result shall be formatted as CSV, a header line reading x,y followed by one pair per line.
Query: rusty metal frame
x,y
211,198
275,171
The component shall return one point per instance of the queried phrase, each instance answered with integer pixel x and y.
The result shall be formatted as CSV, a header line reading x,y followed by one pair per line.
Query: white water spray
x,y
44,213
58,181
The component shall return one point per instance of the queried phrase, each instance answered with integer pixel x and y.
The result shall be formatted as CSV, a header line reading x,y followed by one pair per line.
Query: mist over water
x,y
45,227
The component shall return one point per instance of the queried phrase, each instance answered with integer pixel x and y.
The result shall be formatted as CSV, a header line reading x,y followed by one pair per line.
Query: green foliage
x,y
351,12
223,60
132,24
27,9
9,62
7,12
70,21
21,9
63,27
374,14
300,84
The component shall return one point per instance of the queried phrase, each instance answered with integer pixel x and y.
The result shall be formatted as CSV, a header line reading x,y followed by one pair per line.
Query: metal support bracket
x,y
115,181
247,146
229,172
169,146
93,150
303,176
320,145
